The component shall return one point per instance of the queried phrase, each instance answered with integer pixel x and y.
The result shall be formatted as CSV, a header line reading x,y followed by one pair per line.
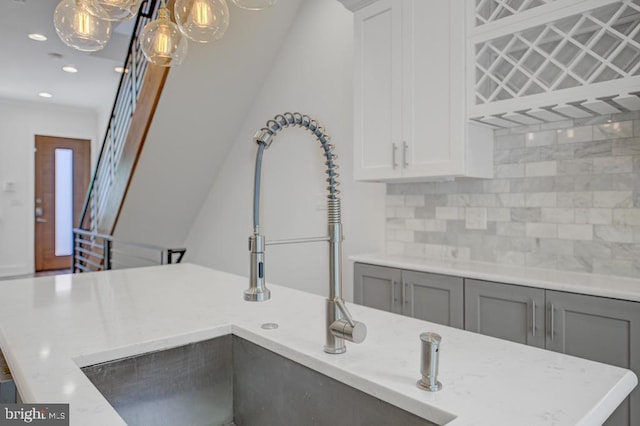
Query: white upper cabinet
x,y
410,117
434,77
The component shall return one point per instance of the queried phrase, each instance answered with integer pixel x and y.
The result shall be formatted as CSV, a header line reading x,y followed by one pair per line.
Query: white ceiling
x,y
27,69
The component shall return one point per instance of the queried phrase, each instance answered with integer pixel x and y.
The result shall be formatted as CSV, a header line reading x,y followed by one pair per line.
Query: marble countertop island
x,y
52,326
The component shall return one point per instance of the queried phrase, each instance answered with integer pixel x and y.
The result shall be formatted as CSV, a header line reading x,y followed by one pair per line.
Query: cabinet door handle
x,y
405,293
552,308
394,299
394,148
533,317
404,154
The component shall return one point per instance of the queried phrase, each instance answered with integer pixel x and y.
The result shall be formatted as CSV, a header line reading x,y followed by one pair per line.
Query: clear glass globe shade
x,y
202,20
162,42
78,28
254,4
115,10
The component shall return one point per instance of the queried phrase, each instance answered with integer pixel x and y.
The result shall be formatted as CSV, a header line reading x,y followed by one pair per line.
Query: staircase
x,y
138,94
137,97
205,104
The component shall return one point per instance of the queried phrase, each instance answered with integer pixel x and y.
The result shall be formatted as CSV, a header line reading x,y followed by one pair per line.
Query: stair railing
x,y
97,252
131,82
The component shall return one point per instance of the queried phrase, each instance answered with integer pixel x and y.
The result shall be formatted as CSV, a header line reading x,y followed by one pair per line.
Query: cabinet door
x,y
433,87
434,298
378,91
599,329
505,311
7,393
377,287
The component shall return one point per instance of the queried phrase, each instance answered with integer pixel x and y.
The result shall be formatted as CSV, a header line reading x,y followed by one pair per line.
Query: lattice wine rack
x,y
570,60
492,10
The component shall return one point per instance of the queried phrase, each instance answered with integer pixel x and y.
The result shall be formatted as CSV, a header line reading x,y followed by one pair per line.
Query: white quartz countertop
x,y
573,282
52,326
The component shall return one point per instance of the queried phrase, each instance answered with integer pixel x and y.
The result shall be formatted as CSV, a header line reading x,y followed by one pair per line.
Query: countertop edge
x,y
601,412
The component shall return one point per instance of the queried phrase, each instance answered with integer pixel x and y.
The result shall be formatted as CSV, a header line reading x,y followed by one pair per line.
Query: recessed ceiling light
x,y
45,95
120,70
70,69
37,37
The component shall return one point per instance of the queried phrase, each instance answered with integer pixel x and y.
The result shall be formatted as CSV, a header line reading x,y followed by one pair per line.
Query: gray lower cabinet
x,y
434,298
599,329
505,311
378,287
430,297
590,327
7,392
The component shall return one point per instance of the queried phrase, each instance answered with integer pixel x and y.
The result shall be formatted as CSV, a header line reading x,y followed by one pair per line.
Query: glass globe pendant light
x,y
202,20
254,4
161,40
78,28
115,10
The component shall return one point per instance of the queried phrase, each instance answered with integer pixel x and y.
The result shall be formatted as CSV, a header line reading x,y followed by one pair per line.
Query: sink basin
x,y
230,381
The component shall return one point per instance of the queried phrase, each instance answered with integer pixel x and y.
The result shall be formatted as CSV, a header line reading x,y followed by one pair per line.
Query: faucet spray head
x,y
257,291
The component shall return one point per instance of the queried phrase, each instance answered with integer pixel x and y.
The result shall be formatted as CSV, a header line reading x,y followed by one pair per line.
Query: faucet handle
x,y
355,333
342,307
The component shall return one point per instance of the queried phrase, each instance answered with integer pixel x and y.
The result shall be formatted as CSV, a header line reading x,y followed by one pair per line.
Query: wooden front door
x,y
62,169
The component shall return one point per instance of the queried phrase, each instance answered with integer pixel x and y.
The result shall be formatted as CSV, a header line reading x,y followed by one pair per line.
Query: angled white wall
x,y
20,122
312,74
203,104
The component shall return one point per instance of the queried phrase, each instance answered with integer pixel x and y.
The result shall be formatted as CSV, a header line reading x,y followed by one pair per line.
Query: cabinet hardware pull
x,y
533,317
553,311
394,299
404,154
394,148
405,292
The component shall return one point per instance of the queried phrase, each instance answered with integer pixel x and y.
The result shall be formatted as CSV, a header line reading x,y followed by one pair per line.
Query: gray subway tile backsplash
x,y
565,196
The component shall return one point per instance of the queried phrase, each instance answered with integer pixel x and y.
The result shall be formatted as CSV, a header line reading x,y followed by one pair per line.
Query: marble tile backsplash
x,y
565,195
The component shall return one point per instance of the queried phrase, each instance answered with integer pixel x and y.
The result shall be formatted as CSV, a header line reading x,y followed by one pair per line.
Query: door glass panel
x,y
64,201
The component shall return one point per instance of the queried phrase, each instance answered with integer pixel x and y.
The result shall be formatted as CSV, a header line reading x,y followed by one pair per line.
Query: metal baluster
x,y
107,254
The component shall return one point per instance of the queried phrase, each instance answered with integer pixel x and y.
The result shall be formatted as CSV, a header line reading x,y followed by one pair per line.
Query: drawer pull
x,y
533,317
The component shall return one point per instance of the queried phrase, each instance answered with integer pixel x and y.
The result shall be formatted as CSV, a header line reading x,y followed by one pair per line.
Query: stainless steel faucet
x,y
340,324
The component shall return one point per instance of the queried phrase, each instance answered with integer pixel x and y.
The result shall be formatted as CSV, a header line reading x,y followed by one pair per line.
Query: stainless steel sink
x,y
230,381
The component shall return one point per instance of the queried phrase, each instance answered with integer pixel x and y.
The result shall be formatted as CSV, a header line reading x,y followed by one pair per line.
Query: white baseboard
x,y
8,271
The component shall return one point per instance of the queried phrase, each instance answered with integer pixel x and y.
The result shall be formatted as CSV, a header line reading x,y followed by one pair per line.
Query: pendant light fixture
x,y
77,27
115,10
86,24
202,20
254,4
162,42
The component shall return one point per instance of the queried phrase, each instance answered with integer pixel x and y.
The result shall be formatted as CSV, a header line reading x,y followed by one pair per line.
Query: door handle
x,y
41,220
405,293
533,317
552,310
404,154
394,148
394,299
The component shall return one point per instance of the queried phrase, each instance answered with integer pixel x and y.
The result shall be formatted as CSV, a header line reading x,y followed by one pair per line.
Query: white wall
x,y
313,75
19,123
203,105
